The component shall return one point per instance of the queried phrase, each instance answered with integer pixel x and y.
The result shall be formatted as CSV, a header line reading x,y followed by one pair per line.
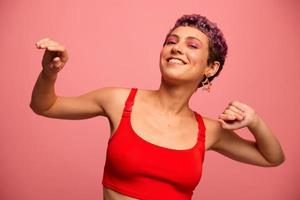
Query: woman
x,y
157,142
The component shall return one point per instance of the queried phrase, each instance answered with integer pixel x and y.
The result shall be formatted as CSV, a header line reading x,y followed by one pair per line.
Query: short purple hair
x,y
217,47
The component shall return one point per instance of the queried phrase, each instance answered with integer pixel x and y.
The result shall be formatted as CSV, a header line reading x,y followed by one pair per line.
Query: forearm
x,y
43,94
266,142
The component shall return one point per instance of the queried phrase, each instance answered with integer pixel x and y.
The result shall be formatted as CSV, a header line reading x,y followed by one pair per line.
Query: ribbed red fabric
x,y
142,170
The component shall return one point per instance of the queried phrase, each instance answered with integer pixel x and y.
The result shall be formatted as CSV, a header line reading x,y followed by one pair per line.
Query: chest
x,y
165,131
157,150
146,157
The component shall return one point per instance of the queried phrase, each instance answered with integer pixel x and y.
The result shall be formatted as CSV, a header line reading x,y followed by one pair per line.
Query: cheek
x,y
161,57
198,59
163,53
164,50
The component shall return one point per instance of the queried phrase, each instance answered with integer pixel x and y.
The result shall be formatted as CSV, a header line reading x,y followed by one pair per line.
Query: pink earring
x,y
206,84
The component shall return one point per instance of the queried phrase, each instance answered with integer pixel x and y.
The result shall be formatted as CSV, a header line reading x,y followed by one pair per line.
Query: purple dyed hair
x,y
217,47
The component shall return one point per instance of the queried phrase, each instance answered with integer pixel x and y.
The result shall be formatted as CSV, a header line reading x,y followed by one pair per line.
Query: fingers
x,y
240,106
228,117
56,59
50,45
234,111
55,66
236,115
39,43
53,47
43,43
231,110
57,63
224,124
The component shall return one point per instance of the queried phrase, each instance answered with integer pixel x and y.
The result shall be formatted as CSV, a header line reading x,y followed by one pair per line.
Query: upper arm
x,y
228,143
88,105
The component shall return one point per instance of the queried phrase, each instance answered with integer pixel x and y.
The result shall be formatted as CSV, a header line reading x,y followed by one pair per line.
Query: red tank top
x,y
140,169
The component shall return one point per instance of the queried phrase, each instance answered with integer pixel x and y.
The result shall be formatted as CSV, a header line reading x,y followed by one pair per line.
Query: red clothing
x,y
142,170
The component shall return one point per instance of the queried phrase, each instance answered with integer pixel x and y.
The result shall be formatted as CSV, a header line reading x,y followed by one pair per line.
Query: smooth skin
x,y
183,62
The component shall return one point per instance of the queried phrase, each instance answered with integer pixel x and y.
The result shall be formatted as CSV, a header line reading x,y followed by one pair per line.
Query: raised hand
x,y
55,56
238,115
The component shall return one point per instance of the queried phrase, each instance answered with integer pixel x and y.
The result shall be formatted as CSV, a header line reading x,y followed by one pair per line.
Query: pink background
x,y
117,43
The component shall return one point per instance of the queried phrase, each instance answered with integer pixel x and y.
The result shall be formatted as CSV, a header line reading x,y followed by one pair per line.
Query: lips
x,y
176,60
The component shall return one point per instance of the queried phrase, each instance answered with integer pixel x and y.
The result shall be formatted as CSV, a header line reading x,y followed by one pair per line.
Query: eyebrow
x,y
189,37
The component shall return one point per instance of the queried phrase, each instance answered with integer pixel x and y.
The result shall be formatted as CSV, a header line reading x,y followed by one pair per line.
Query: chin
x,y
175,77
171,78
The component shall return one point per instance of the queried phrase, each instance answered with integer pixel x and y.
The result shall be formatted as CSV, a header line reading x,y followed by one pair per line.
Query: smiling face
x,y
184,56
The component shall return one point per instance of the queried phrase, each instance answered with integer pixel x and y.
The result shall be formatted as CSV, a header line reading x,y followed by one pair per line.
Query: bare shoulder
x,y
213,130
111,93
112,97
113,105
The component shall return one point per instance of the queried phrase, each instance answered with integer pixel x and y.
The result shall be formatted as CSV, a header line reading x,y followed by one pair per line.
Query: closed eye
x,y
192,43
170,42
193,46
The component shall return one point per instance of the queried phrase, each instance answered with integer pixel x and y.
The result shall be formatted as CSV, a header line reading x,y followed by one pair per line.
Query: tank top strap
x,y
201,126
129,102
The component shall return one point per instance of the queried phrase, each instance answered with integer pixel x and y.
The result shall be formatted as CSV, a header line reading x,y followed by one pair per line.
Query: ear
x,y
212,69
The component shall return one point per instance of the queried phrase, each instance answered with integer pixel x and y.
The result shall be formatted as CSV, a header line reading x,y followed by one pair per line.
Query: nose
x,y
176,49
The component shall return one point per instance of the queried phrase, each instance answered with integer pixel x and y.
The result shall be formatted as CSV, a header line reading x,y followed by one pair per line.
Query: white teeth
x,y
177,61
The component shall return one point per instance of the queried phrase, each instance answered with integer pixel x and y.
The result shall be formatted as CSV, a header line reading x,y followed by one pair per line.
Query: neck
x,y
174,100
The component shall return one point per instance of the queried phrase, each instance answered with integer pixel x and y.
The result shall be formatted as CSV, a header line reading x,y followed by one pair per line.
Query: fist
x,y
237,115
55,56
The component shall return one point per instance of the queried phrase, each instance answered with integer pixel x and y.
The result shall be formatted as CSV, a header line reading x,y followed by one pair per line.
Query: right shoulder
x,y
112,92
112,98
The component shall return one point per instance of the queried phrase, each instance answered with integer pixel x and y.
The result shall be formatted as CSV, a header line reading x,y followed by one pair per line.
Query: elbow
x,y
277,162
281,160
35,109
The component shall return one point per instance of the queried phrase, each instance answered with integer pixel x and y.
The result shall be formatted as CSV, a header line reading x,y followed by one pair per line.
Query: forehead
x,y
187,31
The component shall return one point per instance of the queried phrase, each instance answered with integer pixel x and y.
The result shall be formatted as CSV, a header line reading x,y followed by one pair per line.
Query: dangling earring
x,y
206,84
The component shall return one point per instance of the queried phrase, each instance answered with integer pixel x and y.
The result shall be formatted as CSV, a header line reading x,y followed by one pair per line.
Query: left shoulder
x,y
212,133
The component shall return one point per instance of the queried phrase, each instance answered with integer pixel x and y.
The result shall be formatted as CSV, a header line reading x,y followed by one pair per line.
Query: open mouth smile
x,y
176,61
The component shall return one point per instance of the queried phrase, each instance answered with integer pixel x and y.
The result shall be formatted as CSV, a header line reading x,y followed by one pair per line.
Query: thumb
x,y
222,123
57,64
226,125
